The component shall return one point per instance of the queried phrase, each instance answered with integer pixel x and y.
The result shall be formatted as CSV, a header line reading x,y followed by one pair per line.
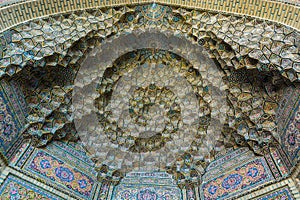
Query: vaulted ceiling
x,y
162,86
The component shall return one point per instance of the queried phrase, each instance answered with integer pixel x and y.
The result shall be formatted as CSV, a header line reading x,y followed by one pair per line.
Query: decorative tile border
x,y
70,149
72,156
279,162
102,190
24,157
10,126
287,104
13,114
272,165
270,10
142,185
265,191
49,168
248,176
14,148
144,191
8,172
21,149
230,156
288,125
16,188
282,193
291,136
228,162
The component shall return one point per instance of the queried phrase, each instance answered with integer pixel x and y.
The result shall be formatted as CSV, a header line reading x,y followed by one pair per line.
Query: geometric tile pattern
x,y
146,118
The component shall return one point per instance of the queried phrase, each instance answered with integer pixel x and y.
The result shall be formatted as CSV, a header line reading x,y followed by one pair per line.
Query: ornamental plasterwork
x,y
234,41
234,100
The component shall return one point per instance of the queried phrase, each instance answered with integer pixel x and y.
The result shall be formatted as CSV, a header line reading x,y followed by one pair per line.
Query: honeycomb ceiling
x,y
152,87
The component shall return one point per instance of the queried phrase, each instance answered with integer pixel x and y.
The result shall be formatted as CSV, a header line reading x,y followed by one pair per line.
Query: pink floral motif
x,y
56,170
242,178
147,195
291,137
14,193
14,188
232,181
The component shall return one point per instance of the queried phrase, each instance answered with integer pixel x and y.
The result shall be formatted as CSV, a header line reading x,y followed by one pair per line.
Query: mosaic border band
x,y
10,171
18,13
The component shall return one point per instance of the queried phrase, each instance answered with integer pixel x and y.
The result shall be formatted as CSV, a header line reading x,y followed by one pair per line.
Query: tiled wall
x,y
16,188
158,185
234,174
63,166
289,123
281,193
13,112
